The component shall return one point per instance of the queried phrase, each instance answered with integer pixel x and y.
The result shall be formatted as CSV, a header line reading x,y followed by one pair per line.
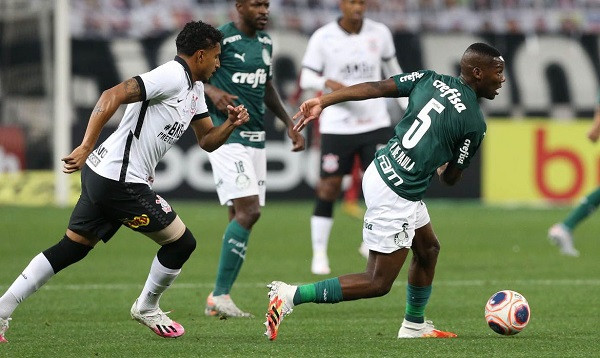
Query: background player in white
x,y
116,177
240,166
345,52
440,132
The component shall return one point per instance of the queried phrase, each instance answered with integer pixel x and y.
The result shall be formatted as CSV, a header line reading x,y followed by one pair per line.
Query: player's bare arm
x,y
210,137
334,85
273,102
311,109
125,92
221,99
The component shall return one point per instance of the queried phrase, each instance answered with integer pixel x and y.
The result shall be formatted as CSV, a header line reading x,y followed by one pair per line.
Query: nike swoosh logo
x,y
179,100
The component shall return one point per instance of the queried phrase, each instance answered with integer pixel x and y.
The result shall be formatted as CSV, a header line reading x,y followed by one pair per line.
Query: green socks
x,y
327,291
233,254
416,300
587,206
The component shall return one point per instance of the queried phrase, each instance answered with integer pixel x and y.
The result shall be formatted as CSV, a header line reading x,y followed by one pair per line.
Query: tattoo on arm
x,y
97,110
132,88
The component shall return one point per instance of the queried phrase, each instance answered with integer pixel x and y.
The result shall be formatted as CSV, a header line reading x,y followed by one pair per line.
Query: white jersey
x,y
170,101
351,59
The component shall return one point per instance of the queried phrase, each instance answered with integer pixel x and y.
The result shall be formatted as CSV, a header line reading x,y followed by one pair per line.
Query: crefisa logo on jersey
x,y
330,163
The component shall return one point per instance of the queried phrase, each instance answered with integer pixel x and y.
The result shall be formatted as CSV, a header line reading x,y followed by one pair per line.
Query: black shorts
x,y
104,205
338,150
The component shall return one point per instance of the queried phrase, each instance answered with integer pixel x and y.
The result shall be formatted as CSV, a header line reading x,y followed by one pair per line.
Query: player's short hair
x,y
483,49
197,35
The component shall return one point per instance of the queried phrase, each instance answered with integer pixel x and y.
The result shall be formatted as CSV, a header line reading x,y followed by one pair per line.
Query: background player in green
x,y
440,132
245,76
561,234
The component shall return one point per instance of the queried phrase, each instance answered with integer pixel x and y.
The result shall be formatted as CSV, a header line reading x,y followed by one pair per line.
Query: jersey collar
x,y
188,72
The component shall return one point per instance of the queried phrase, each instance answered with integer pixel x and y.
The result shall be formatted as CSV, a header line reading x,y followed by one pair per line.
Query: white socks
x,y
159,279
320,228
36,274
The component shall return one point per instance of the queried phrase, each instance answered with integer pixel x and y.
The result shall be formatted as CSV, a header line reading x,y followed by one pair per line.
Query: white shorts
x,y
239,171
390,221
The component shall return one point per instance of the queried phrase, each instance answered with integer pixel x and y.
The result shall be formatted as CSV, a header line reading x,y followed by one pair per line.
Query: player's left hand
x,y
238,115
309,111
298,142
75,160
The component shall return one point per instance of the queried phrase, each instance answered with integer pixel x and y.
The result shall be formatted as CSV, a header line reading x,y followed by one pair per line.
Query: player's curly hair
x,y
197,35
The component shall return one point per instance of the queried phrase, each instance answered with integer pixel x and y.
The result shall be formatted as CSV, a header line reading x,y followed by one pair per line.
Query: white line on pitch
x,y
202,285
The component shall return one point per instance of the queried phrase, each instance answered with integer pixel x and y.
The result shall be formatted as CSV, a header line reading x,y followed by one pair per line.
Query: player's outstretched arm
x,y
311,109
210,137
274,103
125,92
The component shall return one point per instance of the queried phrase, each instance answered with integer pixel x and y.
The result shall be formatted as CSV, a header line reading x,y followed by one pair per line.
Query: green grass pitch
x,y
84,311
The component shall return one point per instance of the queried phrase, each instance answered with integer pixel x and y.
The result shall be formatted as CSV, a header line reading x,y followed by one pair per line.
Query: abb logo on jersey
x,y
254,79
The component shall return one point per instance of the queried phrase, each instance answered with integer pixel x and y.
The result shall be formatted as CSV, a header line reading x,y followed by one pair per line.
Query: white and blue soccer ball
x,y
507,312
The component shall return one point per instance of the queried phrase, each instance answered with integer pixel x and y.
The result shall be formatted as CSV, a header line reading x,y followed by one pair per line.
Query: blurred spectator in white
x,y
99,18
151,18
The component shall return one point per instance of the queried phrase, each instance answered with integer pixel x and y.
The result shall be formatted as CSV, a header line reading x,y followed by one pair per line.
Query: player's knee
x,y
433,250
66,252
187,242
173,255
380,287
248,217
328,190
428,255
323,208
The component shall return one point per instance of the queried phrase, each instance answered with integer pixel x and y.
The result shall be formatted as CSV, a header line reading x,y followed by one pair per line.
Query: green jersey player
x,y
561,234
440,132
240,168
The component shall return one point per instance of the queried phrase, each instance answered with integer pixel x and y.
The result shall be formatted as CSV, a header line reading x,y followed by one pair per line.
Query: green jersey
x,y
442,123
245,68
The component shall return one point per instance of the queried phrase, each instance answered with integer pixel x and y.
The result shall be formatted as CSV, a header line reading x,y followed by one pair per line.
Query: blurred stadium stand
x,y
116,39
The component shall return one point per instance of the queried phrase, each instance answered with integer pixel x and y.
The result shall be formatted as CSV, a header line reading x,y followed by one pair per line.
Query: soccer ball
x,y
507,312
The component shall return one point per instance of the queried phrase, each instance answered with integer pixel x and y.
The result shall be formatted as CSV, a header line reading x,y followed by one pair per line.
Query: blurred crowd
x,y
148,18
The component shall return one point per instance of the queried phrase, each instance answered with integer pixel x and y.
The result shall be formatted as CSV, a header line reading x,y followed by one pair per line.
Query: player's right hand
x,y
238,115
594,134
309,111
221,99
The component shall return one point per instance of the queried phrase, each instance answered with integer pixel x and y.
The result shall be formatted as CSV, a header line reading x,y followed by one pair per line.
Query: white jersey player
x,y
116,177
342,53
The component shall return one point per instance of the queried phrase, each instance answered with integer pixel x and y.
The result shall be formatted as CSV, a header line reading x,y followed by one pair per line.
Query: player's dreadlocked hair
x,y
481,48
197,35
